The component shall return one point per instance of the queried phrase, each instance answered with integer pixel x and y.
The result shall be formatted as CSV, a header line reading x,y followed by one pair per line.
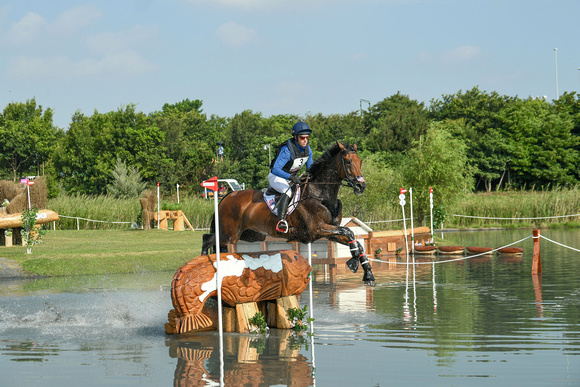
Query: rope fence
x,y
536,264
495,218
560,244
449,260
78,219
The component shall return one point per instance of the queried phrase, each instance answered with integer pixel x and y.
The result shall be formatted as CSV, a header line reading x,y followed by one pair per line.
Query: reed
x,y
555,208
106,212
387,214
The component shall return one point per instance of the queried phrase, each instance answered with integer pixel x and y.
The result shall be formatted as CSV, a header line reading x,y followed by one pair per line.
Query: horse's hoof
x,y
370,283
368,277
352,264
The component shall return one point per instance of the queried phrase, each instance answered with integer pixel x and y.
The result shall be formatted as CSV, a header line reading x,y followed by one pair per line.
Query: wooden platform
x,y
178,217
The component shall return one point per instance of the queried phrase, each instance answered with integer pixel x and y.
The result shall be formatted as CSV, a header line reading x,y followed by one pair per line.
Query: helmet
x,y
301,128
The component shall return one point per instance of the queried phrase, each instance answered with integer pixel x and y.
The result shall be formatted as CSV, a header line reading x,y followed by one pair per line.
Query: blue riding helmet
x,y
301,128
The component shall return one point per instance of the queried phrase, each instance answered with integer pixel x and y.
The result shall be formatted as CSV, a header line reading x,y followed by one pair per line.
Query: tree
x,y
541,145
246,134
88,151
394,123
27,137
184,106
189,142
477,112
437,160
127,182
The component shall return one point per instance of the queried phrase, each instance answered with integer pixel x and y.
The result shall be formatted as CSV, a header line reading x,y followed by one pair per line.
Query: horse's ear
x,y
340,146
354,146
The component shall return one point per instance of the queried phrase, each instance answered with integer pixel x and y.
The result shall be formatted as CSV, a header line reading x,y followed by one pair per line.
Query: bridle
x,y
350,181
347,181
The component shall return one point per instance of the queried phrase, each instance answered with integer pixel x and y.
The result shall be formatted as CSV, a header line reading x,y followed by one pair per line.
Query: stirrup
x,y
282,226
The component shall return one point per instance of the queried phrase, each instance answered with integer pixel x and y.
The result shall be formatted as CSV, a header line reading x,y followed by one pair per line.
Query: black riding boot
x,y
283,202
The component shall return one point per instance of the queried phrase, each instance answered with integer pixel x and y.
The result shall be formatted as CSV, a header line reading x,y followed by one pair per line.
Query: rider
x,y
291,156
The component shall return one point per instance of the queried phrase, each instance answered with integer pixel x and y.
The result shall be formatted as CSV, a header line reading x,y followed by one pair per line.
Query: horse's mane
x,y
332,151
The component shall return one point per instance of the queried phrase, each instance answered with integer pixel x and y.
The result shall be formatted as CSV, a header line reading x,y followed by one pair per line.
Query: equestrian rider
x,y
292,155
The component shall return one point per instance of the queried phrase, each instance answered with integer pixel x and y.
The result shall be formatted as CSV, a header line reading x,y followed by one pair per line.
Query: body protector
x,y
298,159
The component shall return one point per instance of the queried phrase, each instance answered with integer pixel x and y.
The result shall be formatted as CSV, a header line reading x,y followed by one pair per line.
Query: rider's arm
x,y
309,162
282,159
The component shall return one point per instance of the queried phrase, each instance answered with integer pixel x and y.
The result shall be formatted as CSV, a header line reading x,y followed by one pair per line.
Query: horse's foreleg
x,y
358,255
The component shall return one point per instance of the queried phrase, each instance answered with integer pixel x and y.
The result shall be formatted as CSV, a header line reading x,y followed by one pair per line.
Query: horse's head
x,y
351,168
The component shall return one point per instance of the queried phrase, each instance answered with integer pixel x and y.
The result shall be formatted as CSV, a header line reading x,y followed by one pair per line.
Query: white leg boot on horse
x,y
282,225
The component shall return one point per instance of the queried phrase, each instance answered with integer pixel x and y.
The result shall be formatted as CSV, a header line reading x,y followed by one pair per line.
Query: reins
x,y
344,182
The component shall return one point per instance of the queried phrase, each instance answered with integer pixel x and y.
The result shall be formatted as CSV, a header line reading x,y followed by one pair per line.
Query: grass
x,y
71,252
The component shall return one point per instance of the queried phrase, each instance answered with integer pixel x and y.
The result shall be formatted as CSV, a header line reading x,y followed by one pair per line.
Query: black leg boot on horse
x,y
358,256
282,225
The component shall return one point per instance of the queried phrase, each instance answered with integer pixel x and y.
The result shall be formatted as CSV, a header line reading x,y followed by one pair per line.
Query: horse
x,y
244,215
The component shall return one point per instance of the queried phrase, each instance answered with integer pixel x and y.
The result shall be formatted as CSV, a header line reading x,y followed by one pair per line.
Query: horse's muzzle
x,y
359,185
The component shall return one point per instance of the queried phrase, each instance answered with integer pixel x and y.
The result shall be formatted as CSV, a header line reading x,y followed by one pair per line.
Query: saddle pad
x,y
271,201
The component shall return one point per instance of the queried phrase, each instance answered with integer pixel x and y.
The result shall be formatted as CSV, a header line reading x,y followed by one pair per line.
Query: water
x,y
484,321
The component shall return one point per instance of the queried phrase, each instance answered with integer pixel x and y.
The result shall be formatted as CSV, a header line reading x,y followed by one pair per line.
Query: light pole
x,y
556,63
269,153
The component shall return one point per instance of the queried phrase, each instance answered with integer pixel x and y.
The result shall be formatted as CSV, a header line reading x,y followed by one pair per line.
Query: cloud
x,y
265,5
457,55
26,29
121,40
360,56
57,67
236,35
60,49
76,18
461,54
33,28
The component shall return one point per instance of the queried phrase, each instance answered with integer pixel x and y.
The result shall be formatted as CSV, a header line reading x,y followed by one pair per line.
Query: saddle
x,y
271,197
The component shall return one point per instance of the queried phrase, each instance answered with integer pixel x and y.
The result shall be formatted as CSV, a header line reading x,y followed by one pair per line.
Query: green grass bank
x,y
88,252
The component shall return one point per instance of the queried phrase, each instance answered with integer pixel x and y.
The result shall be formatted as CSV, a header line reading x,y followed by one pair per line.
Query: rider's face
x,y
303,139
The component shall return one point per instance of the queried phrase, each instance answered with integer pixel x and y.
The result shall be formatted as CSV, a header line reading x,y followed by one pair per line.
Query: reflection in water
x,y
250,360
474,322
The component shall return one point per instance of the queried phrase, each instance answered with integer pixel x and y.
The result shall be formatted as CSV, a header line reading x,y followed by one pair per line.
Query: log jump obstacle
x,y
14,222
266,282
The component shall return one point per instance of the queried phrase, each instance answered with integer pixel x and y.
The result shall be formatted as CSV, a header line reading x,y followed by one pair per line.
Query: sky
x,y
280,57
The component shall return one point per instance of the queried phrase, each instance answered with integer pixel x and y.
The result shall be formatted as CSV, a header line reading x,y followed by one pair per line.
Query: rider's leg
x,y
283,186
282,225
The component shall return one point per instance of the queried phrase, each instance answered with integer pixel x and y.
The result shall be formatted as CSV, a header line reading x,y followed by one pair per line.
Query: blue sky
x,y
278,56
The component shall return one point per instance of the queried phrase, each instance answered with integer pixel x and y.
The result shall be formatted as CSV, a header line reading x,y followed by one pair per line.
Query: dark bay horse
x,y
244,215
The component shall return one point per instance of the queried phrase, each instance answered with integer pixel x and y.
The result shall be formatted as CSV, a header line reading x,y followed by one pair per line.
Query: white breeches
x,y
280,184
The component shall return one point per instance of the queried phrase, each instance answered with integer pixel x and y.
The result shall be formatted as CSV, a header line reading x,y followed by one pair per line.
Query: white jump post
x,y
158,209
212,184
402,202
431,207
412,225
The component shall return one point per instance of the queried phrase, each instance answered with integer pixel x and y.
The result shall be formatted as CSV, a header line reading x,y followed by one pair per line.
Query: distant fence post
x,y
537,262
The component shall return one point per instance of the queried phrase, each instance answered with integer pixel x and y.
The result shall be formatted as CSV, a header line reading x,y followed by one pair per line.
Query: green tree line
x,y
469,141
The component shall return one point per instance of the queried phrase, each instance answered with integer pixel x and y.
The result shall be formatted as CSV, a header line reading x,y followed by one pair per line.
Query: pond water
x,y
482,321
